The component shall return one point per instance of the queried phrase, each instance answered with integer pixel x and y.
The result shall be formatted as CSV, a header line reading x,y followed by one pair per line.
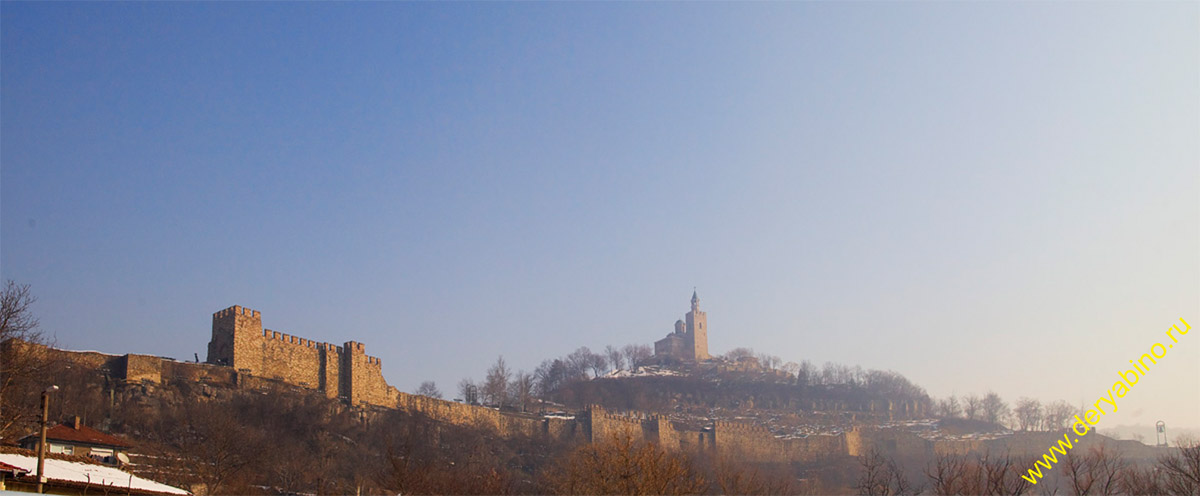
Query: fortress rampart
x,y
244,355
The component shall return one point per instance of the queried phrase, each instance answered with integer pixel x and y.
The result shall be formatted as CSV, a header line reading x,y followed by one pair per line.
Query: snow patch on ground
x,y
646,371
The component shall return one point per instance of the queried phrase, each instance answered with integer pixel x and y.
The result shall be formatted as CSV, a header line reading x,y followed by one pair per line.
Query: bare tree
x,y
22,355
1001,474
735,477
16,316
579,361
495,386
768,361
946,474
1058,415
550,376
972,406
1144,481
621,465
636,353
949,407
213,444
430,389
598,364
583,360
995,410
982,474
1099,471
1109,465
807,375
1182,468
1078,472
881,476
468,391
1028,414
738,354
522,389
616,359
791,368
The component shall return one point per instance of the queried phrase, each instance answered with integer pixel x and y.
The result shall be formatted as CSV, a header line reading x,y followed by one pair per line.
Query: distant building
x,y
81,440
689,342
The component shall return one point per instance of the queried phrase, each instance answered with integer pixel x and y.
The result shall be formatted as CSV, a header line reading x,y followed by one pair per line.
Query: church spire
x,y
695,300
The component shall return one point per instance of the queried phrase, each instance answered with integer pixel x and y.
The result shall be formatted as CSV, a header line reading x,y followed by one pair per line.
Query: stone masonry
x,y
239,341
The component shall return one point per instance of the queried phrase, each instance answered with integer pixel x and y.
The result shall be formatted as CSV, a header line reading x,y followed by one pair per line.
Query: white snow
x,y
647,371
87,351
87,473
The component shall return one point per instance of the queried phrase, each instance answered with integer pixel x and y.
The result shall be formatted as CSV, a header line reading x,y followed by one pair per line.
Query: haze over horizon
x,y
978,196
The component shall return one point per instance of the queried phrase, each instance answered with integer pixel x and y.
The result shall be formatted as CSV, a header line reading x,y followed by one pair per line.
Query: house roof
x,y
89,476
82,435
4,467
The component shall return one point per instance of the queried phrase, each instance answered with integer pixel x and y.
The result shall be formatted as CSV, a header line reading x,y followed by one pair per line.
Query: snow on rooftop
x,y
88,473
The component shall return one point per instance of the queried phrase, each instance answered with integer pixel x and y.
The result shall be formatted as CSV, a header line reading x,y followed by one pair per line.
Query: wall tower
x,y
236,335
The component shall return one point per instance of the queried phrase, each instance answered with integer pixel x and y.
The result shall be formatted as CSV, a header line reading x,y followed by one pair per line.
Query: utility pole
x,y
42,442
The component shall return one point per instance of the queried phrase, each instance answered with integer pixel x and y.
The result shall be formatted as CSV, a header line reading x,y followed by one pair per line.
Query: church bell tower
x,y
697,330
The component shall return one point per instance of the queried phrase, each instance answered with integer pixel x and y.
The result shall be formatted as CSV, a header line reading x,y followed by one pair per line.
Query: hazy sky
x,y
975,195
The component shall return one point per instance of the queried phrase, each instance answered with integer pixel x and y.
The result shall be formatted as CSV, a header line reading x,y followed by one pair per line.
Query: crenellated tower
x,y
236,333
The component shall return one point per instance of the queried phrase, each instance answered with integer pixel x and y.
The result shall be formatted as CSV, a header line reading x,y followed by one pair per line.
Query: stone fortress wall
x,y
244,355
240,341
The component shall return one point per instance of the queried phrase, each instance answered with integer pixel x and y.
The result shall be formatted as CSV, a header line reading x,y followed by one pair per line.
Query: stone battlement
x,y
236,310
308,343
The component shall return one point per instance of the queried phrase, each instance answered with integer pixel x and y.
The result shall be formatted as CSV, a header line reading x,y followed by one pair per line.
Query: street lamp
x,y
42,442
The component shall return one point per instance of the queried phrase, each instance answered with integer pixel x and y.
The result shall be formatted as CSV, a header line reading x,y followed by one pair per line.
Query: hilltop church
x,y
689,342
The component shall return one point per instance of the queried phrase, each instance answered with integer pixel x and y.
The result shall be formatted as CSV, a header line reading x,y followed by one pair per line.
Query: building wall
x,y
673,345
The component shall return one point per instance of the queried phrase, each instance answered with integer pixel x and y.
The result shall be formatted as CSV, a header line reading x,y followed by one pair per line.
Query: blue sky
x,y
976,195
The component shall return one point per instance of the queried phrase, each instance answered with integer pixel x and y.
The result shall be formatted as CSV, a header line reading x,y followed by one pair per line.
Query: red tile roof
x,y
83,435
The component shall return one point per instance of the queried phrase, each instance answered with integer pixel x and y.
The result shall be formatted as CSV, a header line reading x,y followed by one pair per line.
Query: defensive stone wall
x,y
289,358
242,354
606,426
138,368
890,442
505,424
240,341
